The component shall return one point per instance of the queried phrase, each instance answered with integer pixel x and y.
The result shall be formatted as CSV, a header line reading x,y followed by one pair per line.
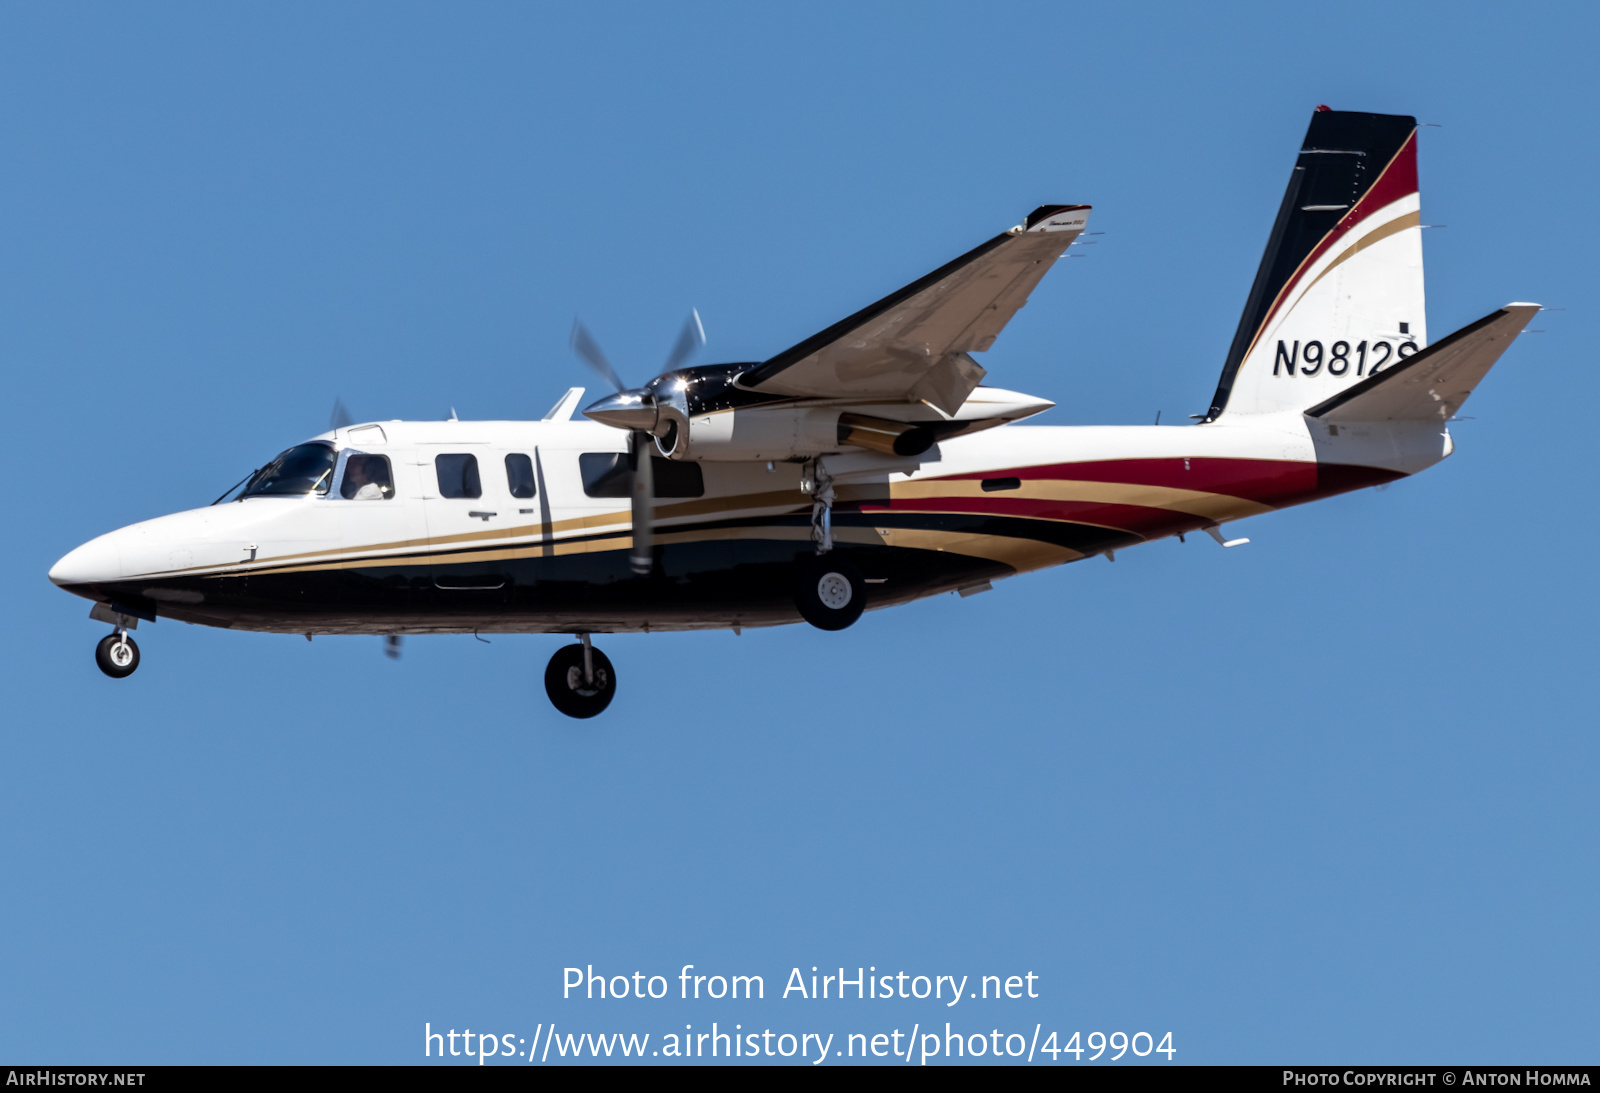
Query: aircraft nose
x,y
95,561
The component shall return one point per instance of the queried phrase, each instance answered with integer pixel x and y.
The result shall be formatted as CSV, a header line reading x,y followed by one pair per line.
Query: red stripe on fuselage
x,y
1275,482
1265,481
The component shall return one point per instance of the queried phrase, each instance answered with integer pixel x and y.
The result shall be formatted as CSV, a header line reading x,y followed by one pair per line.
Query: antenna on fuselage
x,y
340,417
562,410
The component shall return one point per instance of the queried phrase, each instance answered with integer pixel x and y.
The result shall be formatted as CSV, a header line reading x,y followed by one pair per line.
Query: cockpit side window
x,y
458,475
519,475
303,469
366,478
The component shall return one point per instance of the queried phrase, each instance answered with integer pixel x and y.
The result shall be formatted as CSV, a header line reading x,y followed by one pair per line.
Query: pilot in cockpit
x,y
366,478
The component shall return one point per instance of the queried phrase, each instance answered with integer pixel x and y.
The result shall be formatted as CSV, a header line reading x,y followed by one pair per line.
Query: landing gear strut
x,y
819,484
580,680
829,590
117,655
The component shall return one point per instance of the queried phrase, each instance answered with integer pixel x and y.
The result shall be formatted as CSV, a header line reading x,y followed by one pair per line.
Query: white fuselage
x,y
1165,479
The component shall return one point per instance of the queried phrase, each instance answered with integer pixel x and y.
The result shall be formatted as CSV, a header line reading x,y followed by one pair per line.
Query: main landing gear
x,y
580,680
117,655
829,590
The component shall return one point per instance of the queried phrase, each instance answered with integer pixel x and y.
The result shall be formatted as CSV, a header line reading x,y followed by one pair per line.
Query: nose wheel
x,y
117,655
580,680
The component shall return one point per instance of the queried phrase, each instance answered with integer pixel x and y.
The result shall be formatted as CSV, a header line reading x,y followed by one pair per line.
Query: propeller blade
x,y
586,347
692,338
340,417
642,490
391,646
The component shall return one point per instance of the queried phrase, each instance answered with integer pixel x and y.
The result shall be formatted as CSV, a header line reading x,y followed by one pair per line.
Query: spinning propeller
x,y
634,409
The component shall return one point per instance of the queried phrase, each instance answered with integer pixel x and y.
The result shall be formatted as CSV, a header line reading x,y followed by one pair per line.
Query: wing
x,y
914,343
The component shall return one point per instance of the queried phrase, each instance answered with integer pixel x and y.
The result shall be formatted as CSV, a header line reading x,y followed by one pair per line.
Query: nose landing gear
x,y
117,655
580,680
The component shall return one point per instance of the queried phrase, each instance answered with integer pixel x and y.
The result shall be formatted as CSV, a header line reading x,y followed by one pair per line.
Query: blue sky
x,y
1327,797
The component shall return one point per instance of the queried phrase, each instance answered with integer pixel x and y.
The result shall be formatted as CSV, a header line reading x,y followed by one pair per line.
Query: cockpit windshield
x,y
303,469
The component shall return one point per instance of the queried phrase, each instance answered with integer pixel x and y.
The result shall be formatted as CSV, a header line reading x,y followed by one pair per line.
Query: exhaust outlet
x,y
888,437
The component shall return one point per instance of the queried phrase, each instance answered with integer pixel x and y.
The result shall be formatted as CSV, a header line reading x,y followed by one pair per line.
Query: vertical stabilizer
x,y
1339,292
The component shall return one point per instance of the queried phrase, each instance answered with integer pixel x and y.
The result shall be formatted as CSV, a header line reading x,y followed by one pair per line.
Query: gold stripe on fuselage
x,y
528,540
1019,553
1212,506
780,500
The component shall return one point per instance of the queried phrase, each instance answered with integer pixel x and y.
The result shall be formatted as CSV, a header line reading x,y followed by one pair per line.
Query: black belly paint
x,y
713,582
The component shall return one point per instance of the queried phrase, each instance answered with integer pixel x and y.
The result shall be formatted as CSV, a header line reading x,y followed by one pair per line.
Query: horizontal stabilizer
x,y
1430,385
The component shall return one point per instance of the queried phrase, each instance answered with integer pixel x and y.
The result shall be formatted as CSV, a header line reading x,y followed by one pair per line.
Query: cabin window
x,y
366,478
990,485
605,474
519,475
458,475
303,469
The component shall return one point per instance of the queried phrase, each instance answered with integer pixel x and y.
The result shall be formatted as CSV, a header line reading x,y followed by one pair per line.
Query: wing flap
x,y
1431,385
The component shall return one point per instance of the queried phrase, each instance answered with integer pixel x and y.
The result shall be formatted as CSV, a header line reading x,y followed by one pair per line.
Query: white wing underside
x,y
914,344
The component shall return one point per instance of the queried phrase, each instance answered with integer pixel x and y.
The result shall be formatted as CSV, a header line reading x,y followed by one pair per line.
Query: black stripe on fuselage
x,y
720,579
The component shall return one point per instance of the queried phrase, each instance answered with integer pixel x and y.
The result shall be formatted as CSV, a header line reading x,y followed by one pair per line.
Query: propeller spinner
x,y
635,410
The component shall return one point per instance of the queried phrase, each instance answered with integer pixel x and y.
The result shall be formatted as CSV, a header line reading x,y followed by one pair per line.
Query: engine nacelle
x,y
754,433
703,414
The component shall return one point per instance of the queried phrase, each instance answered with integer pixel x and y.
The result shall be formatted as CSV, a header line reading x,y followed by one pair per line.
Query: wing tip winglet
x,y
1056,218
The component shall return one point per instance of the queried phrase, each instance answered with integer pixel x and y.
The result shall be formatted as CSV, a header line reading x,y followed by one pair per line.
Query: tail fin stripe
x,y
1391,186
1411,219
1354,177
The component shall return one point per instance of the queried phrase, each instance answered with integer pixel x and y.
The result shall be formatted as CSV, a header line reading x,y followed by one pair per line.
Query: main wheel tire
x,y
831,593
117,655
569,692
